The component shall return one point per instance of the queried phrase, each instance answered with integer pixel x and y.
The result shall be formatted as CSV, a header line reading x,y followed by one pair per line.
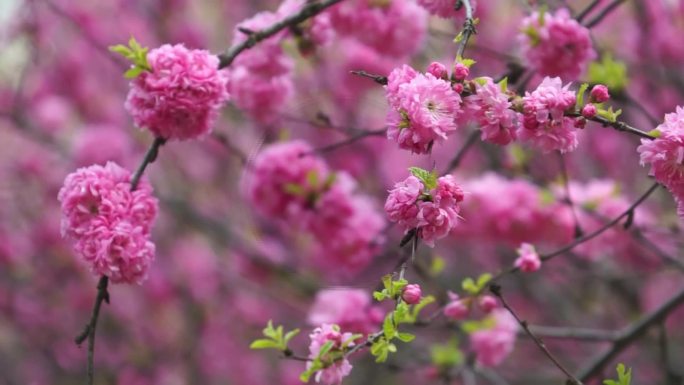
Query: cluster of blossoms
x,y
665,155
391,27
490,108
428,205
423,108
108,223
493,345
544,122
179,94
261,77
556,44
336,365
290,183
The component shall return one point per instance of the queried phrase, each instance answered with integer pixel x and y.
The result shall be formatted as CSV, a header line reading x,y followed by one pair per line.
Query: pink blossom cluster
x,y
337,368
391,27
433,213
261,77
349,308
290,183
493,345
490,108
109,224
556,44
423,109
180,96
665,155
544,122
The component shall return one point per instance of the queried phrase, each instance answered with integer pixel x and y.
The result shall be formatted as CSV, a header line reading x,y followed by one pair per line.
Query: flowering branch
x,y
89,330
496,290
150,157
468,28
309,10
458,158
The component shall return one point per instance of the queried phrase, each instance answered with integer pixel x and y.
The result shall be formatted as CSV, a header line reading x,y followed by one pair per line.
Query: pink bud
x,y
488,303
580,122
461,72
599,93
411,294
458,87
528,260
589,111
457,309
438,70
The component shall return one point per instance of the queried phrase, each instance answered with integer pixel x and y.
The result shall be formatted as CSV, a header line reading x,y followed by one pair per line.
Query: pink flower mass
x,y
109,224
179,97
397,185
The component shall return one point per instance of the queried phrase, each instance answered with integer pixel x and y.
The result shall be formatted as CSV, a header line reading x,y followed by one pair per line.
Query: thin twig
x,y
350,140
629,335
568,197
605,12
496,290
460,155
583,13
468,28
310,9
382,80
150,157
89,330
581,334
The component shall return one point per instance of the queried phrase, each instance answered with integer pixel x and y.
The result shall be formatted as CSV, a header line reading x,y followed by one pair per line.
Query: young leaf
x,y
405,337
290,335
388,327
264,344
579,103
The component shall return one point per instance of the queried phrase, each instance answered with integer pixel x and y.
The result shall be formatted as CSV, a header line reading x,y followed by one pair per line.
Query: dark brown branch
x,y
629,335
382,80
89,330
605,12
583,13
350,140
568,197
496,290
468,28
565,333
150,157
458,158
309,10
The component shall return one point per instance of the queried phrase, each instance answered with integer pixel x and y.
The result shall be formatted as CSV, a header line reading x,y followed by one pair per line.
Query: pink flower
x,y
589,111
411,294
544,123
260,97
442,8
491,109
528,260
393,28
599,93
665,154
424,110
277,183
433,213
402,202
456,309
180,96
350,308
395,80
109,224
437,70
460,72
487,303
556,44
492,346
337,369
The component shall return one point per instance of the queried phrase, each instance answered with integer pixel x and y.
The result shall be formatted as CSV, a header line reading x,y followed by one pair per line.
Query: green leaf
x,y
329,180
264,344
388,327
398,286
290,335
401,314
532,33
294,189
405,337
380,350
419,307
387,282
428,178
579,103
542,13
122,50
465,61
655,133
437,266
469,285
624,376
446,355
133,72
473,326
609,114
379,295
503,84
610,72
312,178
